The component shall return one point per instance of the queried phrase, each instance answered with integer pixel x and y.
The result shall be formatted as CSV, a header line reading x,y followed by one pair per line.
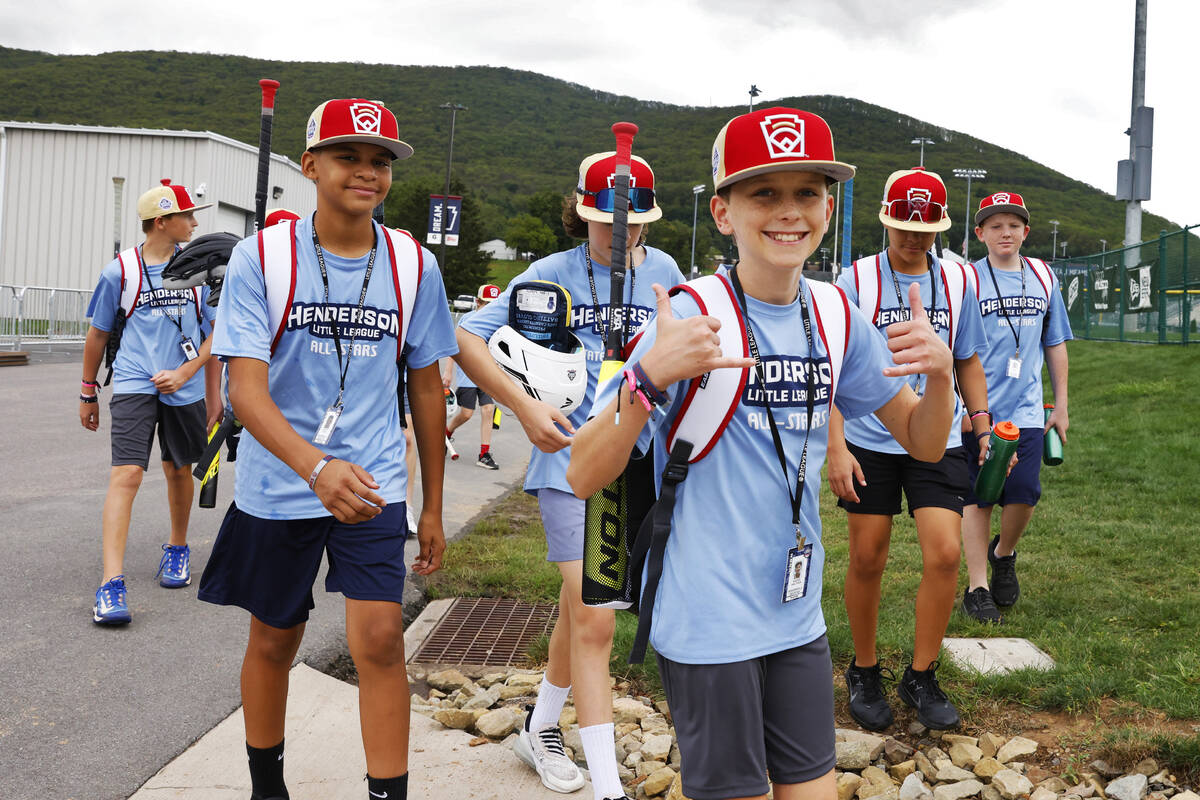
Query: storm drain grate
x,y
486,631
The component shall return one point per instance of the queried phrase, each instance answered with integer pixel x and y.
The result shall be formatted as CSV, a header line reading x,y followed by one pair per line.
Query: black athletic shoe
x,y
979,606
921,691
486,461
868,706
1005,588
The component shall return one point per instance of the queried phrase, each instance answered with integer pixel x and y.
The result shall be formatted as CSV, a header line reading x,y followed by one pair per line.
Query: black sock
x,y
266,772
388,788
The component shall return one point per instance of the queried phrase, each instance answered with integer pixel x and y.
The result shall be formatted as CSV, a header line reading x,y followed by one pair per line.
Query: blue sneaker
x,y
111,608
175,569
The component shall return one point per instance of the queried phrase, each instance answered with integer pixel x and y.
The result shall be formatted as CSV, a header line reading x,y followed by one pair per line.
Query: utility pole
x,y
922,140
1054,239
696,190
454,108
1133,175
754,92
968,173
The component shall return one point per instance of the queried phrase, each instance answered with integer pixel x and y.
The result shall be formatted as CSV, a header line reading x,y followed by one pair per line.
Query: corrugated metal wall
x,y
57,197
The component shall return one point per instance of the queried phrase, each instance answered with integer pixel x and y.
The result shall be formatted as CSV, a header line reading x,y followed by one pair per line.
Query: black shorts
x,y
737,723
181,435
1024,483
267,566
468,396
939,485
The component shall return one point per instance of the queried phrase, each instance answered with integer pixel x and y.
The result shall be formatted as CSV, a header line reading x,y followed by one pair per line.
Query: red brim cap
x,y
774,140
355,121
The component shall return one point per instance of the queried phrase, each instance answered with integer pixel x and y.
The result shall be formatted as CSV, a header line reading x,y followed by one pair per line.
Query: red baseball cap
x,y
773,140
1002,203
488,292
166,199
279,215
356,120
595,190
915,200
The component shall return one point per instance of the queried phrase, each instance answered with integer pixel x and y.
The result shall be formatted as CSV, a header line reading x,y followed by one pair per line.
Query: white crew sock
x,y
549,706
602,761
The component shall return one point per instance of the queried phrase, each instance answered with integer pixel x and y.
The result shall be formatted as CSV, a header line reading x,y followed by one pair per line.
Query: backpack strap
x,y
711,399
1043,274
955,282
868,284
408,266
131,265
277,257
832,310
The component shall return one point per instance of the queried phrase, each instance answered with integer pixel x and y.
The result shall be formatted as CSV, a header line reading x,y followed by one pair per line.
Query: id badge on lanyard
x,y
799,561
189,349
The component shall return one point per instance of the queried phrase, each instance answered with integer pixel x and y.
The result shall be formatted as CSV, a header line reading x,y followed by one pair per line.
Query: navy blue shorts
x,y
1024,484
268,566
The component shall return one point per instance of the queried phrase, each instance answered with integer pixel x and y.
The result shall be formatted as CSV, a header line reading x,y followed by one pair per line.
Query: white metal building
x,y
68,193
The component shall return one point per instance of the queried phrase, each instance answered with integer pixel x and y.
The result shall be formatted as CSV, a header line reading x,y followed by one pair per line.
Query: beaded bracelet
x,y
88,398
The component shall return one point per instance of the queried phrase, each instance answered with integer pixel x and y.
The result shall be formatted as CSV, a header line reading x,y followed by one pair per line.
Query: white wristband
x,y
312,479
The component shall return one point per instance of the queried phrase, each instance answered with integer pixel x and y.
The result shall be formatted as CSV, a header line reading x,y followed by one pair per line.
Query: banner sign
x,y
453,207
1139,284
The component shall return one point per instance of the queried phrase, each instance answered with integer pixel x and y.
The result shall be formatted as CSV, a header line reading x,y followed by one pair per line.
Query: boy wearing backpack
x,y
314,317
736,619
161,347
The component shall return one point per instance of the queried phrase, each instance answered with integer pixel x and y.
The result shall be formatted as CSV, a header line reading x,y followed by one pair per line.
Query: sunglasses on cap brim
x,y
915,210
640,200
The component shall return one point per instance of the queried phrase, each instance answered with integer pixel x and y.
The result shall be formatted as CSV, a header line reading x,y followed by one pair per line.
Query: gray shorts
x,y
562,517
737,723
469,396
181,435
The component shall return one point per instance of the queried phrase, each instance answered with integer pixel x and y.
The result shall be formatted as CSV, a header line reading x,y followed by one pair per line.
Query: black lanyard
x,y
1000,300
362,296
932,288
587,252
146,271
797,498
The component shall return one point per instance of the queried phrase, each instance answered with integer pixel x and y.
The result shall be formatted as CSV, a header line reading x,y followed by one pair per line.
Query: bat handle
x,y
269,87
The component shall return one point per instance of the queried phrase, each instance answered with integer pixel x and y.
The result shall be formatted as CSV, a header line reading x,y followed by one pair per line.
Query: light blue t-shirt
x,y
868,432
304,370
589,317
151,342
1040,319
461,379
720,596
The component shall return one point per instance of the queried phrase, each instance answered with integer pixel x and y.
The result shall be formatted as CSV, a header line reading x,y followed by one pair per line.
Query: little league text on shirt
x,y
327,348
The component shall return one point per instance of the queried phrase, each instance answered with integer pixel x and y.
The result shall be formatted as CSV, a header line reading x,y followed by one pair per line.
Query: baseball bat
x,y
208,484
615,344
215,439
450,449
269,87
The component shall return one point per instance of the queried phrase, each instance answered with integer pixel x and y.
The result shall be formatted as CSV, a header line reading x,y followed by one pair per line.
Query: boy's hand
x,y
915,345
345,491
541,422
685,348
1060,420
89,415
433,544
844,470
169,381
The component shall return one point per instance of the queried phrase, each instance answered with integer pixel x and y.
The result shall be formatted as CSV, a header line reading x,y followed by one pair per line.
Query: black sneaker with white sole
x,y
920,690
979,606
1005,587
486,461
868,706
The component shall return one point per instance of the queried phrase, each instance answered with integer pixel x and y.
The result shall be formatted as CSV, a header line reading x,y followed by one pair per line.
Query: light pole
x,y
454,108
922,140
696,191
1054,240
824,253
968,173
754,92
1064,247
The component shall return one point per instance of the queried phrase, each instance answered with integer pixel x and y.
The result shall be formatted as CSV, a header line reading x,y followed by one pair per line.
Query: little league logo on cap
x,y
166,199
1002,203
355,121
915,200
773,140
595,193
488,292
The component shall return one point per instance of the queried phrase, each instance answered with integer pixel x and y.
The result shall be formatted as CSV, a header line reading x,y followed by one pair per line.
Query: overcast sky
x,y
1047,78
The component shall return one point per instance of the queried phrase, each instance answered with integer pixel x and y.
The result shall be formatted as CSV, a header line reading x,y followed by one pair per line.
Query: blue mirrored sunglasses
x,y
640,200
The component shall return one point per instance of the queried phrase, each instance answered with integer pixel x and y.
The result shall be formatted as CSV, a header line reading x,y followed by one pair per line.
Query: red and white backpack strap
x,y
954,281
1044,276
832,312
131,278
277,255
868,282
408,265
711,399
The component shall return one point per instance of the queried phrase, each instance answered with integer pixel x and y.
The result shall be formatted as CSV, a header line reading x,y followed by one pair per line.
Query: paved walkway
x,y
91,713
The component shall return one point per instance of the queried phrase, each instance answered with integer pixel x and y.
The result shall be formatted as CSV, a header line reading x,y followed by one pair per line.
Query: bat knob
x,y
624,129
269,87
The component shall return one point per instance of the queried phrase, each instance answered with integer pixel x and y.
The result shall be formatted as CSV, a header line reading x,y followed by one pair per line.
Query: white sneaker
x,y
543,750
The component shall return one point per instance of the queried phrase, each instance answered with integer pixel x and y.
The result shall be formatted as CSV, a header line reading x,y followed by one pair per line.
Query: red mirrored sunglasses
x,y
915,210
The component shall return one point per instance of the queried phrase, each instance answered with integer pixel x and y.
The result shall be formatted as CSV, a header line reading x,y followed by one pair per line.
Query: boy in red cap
x,y
313,321
469,395
163,345
869,468
737,622
1025,322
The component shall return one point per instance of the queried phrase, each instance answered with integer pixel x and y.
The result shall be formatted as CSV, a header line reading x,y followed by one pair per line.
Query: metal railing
x,y
1148,292
42,315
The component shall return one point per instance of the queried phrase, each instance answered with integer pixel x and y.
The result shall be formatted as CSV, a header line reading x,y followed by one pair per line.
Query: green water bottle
x,y
1052,446
990,481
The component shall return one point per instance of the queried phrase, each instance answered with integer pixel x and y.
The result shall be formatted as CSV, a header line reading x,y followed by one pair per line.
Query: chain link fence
x,y
1149,292
41,315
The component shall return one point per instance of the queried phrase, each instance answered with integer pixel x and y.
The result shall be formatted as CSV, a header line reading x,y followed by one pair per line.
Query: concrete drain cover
x,y
992,656
486,631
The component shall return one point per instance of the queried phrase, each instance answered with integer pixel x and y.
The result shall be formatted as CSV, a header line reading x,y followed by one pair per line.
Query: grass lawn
x,y
501,272
1108,566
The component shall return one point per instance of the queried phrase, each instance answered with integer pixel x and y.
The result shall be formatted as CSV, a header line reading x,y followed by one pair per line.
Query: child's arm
x,y
1056,362
972,382
682,349
93,355
425,397
844,468
213,403
169,381
345,489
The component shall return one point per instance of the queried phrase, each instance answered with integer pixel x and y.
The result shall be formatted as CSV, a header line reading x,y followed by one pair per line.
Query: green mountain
x,y
524,134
